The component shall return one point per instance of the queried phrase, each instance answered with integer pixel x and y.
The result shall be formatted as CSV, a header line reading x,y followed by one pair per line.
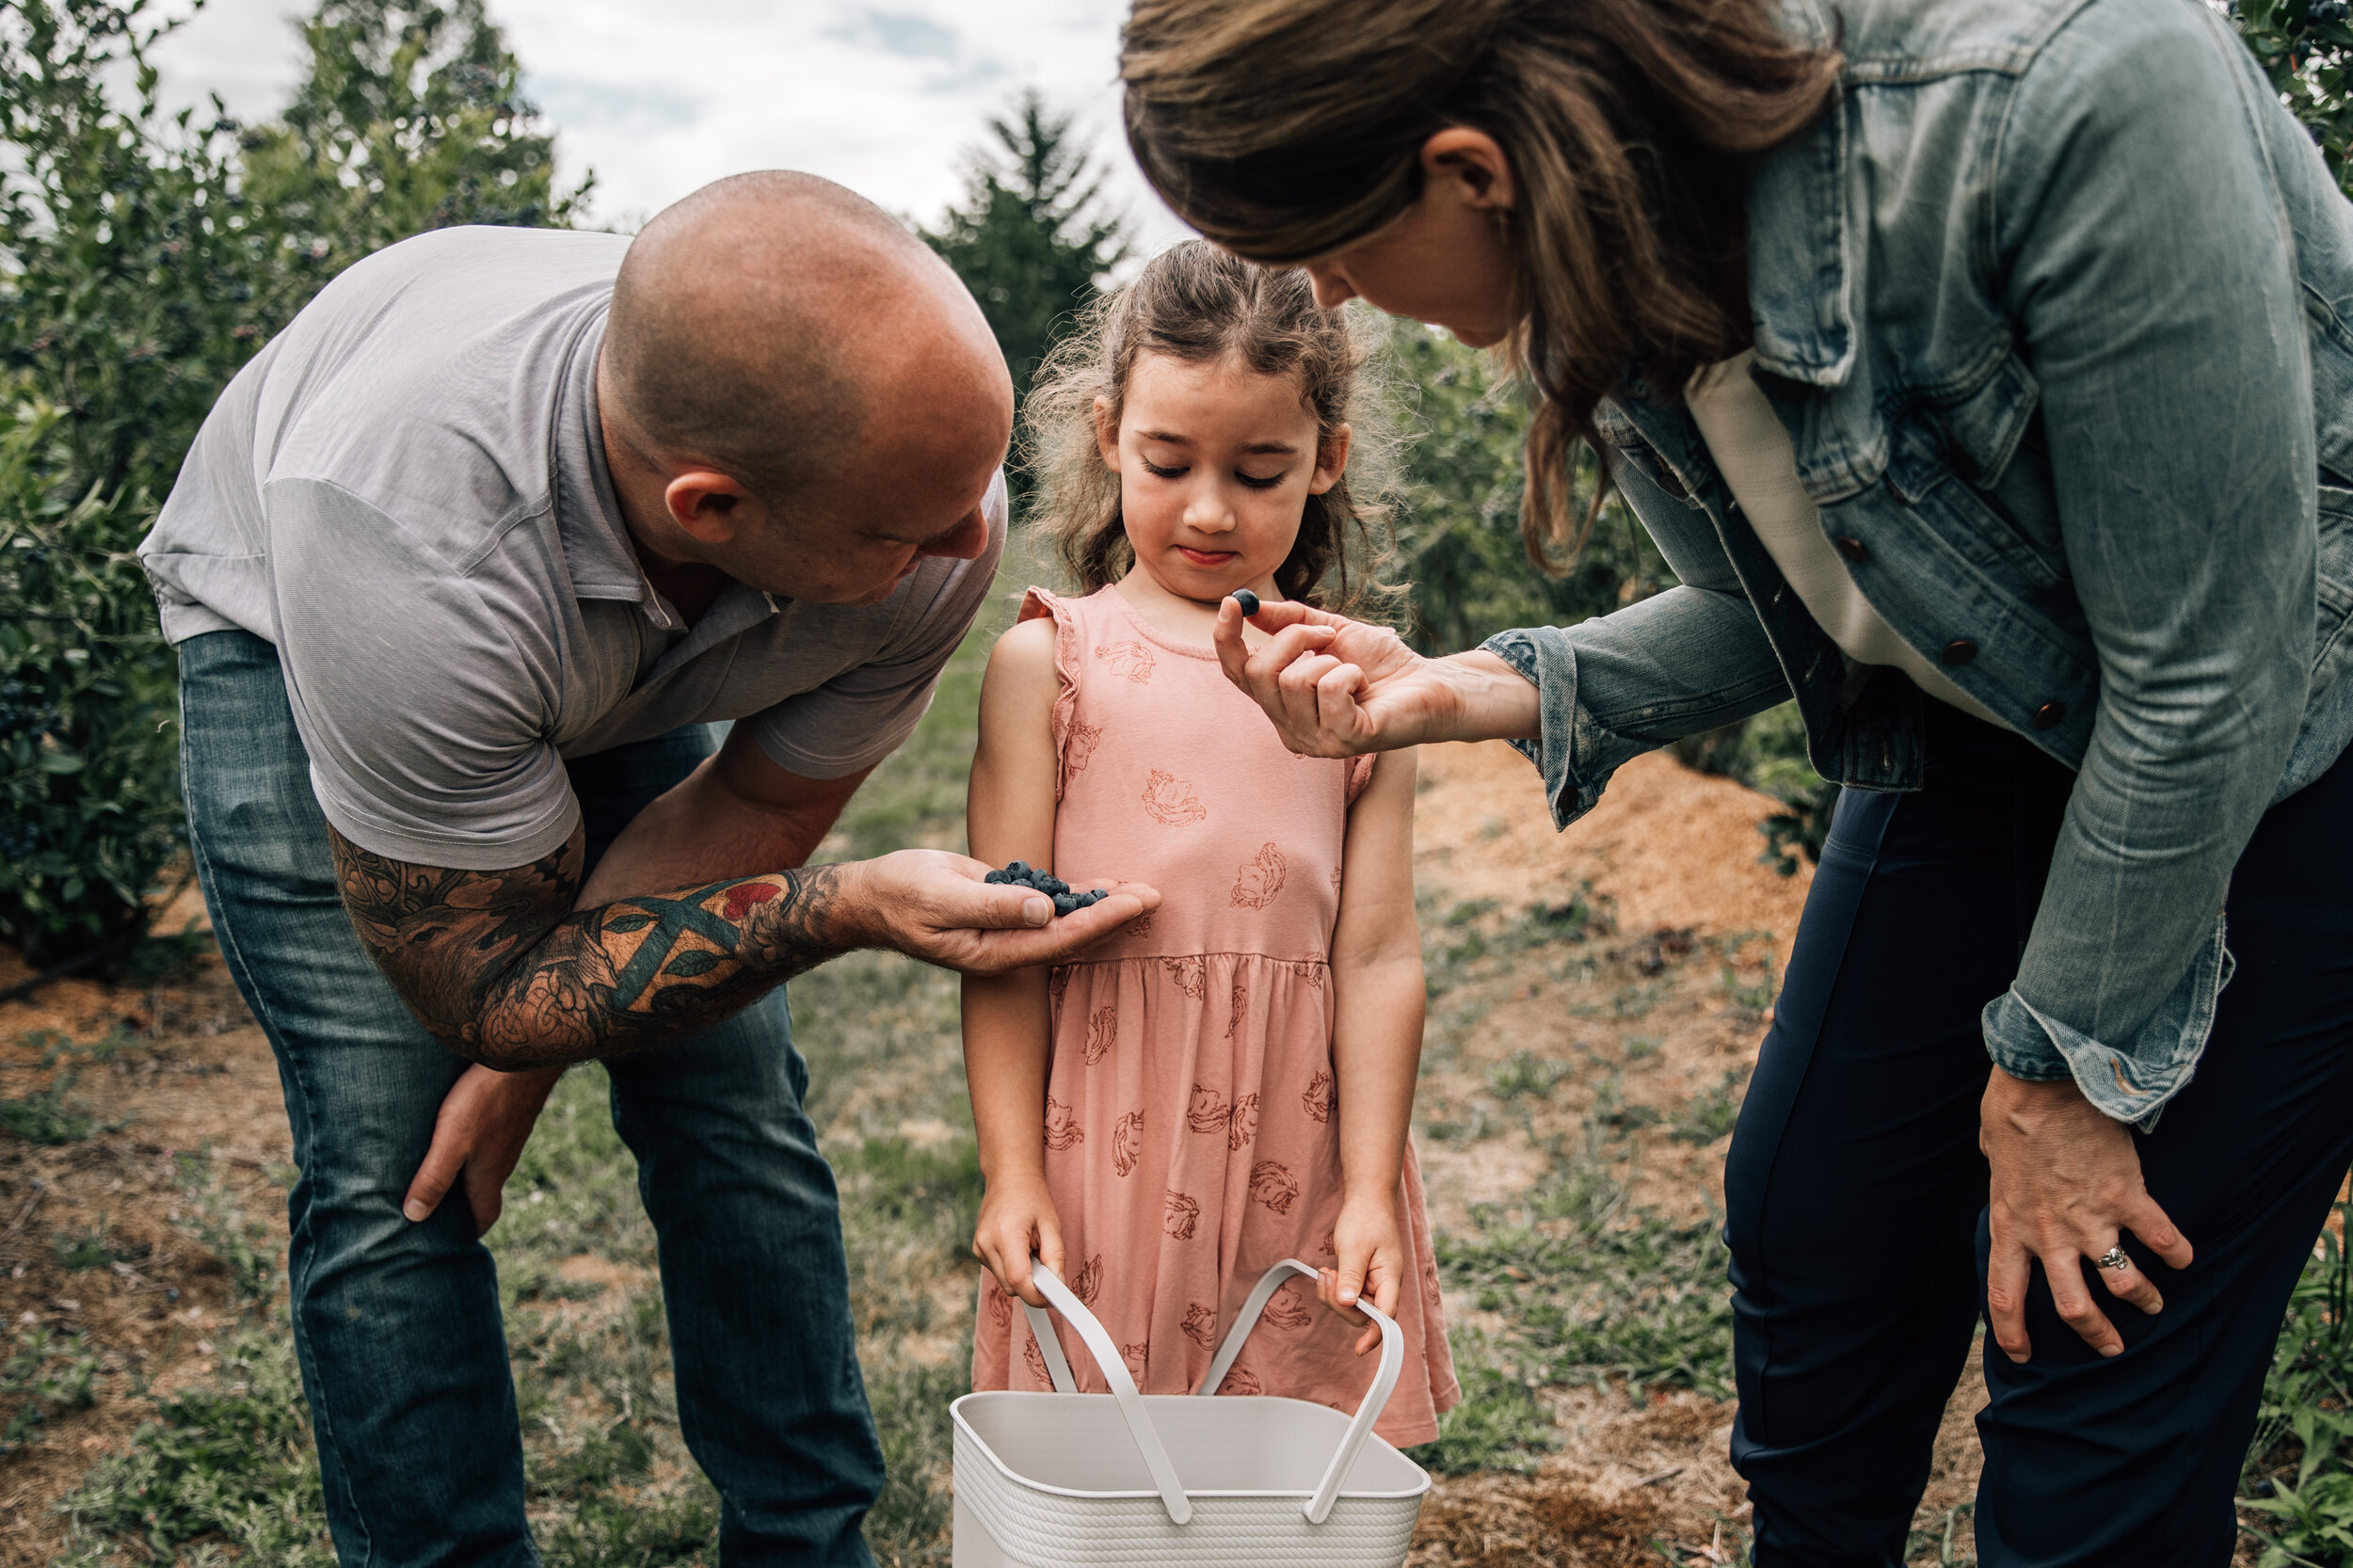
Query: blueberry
x,y
994,877
1248,600
1054,884
1065,904
1020,869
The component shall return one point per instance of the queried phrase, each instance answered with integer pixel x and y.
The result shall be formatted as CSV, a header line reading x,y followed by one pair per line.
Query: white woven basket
x,y
1175,1480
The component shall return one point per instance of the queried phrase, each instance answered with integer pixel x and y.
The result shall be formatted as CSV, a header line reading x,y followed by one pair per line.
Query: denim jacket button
x,y
1958,651
1852,548
2049,714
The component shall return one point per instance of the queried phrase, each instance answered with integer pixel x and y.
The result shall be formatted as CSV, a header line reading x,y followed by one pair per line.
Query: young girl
x,y
1226,1082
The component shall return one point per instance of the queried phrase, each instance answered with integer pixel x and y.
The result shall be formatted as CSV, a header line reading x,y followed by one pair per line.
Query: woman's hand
x,y
479,1133
1017,1220
1336,687
2066,1184
1372,1263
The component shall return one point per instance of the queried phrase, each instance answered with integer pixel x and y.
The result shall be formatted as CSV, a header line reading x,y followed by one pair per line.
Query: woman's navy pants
x,y
1856,1193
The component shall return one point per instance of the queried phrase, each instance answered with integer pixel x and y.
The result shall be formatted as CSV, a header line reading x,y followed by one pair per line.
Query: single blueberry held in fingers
x,y
1248,600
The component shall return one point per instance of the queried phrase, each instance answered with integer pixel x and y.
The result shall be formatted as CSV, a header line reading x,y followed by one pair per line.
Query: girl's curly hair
x,y
1199,304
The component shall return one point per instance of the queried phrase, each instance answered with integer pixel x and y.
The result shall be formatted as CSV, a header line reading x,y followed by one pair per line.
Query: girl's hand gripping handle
x,y
1371,1265
1017,1220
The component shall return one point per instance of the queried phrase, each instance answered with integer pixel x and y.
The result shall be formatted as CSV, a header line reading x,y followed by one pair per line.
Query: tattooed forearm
x,y
499,966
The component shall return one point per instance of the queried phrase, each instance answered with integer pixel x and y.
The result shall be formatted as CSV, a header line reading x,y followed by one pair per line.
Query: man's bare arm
x,y
499,966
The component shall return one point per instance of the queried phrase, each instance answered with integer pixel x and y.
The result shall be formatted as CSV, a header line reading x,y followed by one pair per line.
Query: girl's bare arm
x,y
1010,816
1376,1044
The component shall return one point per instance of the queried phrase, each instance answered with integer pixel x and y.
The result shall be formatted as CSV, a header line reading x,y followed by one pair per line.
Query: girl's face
x,y
1215,462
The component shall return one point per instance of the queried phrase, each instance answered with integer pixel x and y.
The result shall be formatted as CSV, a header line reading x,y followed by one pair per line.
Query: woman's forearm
x,y
1493,701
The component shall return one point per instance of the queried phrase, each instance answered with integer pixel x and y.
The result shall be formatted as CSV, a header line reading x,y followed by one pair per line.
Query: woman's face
x,y
1445,261
1215,463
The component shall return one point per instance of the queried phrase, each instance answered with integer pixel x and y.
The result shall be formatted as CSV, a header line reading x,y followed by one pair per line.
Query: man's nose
x,y
1332,290
964,542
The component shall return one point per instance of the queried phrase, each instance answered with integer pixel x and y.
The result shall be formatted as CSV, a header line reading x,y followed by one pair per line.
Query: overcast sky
x,y
659,96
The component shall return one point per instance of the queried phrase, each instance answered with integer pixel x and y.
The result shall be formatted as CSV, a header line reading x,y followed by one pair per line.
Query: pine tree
x,y
1030,238
412,119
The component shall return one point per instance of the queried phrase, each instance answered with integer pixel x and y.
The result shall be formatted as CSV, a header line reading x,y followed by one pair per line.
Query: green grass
x,y
2298,1480
46,1117
46,1373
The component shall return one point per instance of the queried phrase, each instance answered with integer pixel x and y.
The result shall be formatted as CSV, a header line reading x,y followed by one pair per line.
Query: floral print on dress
x,y
1209,1111
1000,1304
1201,1325
1139,1360
1102,1028
1062,1131
1083,738
1309,971
1191,974
1087,1283
1241,1010
1036,1359
1242,1380
1260,878
1127,1143
1272,1185
1179,1216
1318,1099
1286,1309
1242,1125
1170,801
1130,659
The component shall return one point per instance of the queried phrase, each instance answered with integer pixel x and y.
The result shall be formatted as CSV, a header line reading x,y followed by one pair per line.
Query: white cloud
x,y
660,96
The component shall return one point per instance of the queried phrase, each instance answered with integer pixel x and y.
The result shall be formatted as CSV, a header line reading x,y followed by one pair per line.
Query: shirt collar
x,y
588,521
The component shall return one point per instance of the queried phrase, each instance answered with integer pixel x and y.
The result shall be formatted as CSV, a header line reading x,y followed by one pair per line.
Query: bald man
x,y
462,570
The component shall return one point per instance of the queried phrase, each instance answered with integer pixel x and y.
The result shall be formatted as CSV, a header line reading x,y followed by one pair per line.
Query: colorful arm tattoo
x,y
501,967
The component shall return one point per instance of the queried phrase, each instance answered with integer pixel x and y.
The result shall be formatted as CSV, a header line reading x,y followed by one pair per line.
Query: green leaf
x,y
626,923
700,961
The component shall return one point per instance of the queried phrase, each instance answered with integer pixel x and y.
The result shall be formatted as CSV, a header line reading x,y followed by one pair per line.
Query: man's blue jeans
x,y
396,1324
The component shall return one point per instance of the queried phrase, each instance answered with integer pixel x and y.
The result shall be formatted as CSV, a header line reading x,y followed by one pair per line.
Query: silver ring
x,y
2113,1258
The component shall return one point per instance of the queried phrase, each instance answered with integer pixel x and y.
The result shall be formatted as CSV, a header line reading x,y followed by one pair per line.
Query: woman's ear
x,y
1470,166
1107,433
1331,459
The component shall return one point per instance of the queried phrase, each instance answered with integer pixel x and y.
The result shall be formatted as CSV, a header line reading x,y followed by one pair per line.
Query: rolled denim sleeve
x,y
1613,687
2141,250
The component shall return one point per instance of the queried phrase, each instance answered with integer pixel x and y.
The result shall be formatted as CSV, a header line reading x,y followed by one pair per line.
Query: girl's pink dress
x,y
1192,1127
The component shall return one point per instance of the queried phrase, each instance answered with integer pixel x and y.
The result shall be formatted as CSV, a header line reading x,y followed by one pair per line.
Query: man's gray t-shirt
x,y
407,494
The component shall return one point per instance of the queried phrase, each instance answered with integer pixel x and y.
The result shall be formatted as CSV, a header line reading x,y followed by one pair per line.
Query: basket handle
x,y
1114,1370
1376,1398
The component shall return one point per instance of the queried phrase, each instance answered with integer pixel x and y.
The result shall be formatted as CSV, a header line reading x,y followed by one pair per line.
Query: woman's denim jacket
x,y
2058,305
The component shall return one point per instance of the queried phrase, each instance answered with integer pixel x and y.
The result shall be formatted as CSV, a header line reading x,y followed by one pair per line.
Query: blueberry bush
x,y
145,255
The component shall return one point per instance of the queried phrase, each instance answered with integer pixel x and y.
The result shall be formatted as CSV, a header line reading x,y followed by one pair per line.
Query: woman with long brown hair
x,y
1983,371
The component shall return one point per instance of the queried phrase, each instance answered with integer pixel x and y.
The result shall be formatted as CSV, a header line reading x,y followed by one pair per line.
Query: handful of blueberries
x,y
1022,875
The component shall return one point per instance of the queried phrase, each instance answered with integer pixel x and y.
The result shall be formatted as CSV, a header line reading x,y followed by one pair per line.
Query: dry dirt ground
x,y
1670,1013
1674,1012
